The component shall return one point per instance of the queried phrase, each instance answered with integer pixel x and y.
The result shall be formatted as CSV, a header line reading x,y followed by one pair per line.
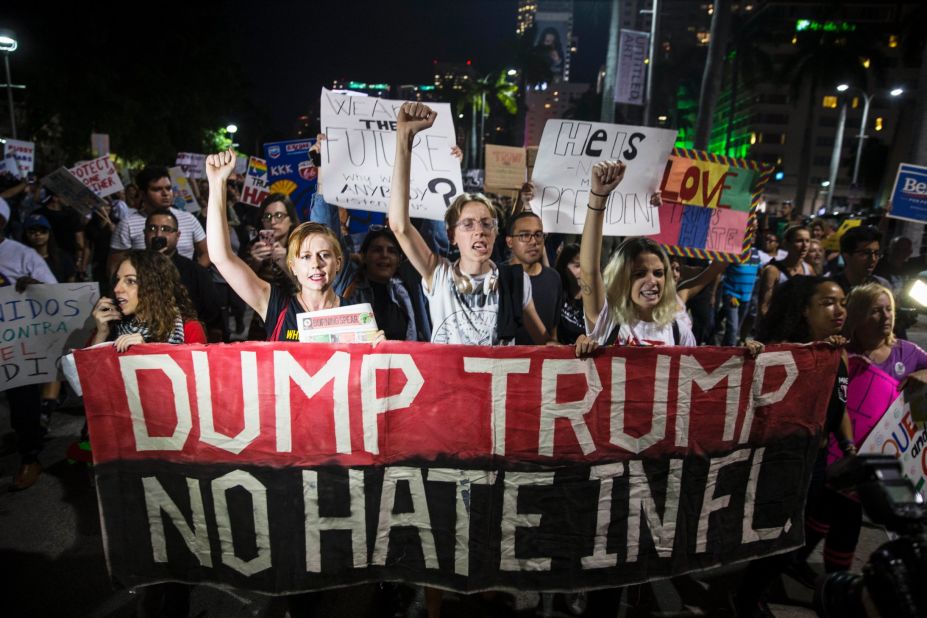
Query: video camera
x,y
893,580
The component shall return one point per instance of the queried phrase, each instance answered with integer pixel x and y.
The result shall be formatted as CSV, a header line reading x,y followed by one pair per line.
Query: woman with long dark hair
x,y
804,309
149,305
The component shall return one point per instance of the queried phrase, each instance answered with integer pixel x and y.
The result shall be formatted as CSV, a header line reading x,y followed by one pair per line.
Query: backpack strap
x,y
279,327
676,335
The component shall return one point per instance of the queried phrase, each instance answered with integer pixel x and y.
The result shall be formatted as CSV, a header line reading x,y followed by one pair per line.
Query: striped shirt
x,y
130,233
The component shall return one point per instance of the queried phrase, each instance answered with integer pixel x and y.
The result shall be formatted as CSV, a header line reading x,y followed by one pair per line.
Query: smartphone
x,y
267,236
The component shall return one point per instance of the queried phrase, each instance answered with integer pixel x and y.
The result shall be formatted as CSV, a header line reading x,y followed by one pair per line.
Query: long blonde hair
x,y
617,277
859,304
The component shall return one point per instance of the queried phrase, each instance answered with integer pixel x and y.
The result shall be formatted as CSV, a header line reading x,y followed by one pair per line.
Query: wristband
x,y
590,207
598,194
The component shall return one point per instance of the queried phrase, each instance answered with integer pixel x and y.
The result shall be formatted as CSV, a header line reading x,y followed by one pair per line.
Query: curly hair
x,y
161,295
617,277
785,321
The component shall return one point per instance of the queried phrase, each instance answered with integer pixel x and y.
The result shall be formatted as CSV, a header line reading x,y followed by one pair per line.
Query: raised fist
x,y
220,166
414,117
606,175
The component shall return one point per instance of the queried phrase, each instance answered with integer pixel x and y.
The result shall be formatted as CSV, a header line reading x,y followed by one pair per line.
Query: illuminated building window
x,y
547,106
753,139
855,103
829,102
878,123
865,62
703,38
782,139
794,40
893,41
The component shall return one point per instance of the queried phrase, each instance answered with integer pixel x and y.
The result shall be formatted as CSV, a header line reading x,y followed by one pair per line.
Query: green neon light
x,y
357,85
426,87
811,25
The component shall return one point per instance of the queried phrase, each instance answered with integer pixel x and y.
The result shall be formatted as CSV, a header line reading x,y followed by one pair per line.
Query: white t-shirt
x,y
130,233
639,333
467,319
17,260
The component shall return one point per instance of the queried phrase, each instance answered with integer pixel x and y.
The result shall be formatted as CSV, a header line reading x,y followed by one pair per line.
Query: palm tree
x,y
480,96
714,67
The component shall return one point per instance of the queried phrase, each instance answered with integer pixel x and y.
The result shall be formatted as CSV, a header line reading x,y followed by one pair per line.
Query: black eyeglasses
x,y
528,236
274,216
165,229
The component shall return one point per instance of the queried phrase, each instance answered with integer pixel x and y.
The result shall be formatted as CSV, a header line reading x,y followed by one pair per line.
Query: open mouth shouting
x,y
650,294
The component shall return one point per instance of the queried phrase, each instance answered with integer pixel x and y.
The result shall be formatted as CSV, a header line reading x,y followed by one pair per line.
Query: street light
x,y
232,129
8,45
511,72
867,99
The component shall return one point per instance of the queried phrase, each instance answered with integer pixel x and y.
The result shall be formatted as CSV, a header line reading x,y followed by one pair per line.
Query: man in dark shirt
x,y
525,239
860,250
161,234
66,224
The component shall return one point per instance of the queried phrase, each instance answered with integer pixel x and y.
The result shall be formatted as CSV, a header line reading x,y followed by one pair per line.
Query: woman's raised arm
x,y
251,288
412,118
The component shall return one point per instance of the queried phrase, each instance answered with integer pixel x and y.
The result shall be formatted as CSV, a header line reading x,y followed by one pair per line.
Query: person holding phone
x,y
267,254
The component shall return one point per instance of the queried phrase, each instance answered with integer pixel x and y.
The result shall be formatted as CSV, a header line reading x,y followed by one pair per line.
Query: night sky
x,y
282,52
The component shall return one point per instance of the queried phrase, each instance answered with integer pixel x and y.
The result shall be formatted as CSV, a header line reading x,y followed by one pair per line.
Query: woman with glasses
x,y
472,300
267,254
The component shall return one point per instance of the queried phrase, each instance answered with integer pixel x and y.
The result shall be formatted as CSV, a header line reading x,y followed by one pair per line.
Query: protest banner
x,y
284,467
40,325
256,186
832,242
184,199
899,435
506,167
98,175
24,153
561,176
241,163
192,164
909,195
358,156
709,205
632,71
99,144
72,191
292,173
870,392
9,165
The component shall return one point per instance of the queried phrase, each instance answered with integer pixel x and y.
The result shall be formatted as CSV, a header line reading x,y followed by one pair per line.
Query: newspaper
x,y
351,324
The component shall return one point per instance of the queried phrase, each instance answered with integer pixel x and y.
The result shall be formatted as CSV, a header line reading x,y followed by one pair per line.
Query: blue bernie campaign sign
x,y
291,172
909,197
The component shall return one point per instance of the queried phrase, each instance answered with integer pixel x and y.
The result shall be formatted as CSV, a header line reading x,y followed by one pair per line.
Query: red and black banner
x,y
283,467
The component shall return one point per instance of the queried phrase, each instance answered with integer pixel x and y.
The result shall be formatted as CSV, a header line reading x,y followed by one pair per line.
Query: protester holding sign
x,y
805,309
869,326
314,259
635,303
472,301
21,265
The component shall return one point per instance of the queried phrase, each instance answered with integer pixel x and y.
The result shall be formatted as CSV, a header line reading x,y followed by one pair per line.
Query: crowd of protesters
x,y
489,276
